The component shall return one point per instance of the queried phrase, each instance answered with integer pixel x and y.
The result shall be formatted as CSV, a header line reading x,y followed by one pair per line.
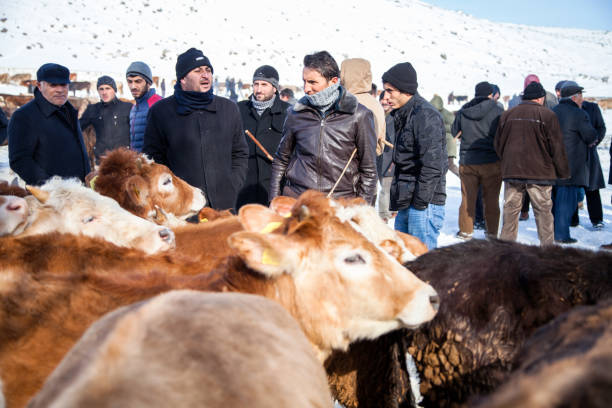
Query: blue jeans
x,y
423,224
565,201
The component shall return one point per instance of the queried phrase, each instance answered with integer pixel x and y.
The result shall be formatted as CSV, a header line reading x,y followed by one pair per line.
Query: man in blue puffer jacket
x,y
139,79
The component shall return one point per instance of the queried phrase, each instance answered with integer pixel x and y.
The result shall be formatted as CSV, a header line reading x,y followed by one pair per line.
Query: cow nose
x,y
13,207
166,235
435,302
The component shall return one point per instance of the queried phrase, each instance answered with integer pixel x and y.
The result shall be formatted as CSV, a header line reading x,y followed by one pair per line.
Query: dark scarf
x,y
189,101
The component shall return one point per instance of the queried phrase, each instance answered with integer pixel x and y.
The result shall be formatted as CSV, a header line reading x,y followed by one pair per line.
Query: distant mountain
x,y
450,50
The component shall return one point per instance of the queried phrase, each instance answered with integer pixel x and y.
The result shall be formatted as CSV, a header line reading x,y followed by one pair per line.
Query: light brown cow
x,y
190,349
140,186
69,207
337,284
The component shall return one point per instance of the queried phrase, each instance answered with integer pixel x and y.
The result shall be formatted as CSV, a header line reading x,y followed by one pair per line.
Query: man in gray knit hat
x,y
263,114
139,80
329,142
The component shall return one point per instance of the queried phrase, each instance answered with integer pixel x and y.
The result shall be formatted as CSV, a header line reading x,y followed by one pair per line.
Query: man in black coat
x,y
44,134
418,189
110,118
199,135
578,135
263,114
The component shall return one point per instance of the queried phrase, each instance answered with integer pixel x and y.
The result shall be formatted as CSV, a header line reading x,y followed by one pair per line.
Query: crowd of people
x,y
338,139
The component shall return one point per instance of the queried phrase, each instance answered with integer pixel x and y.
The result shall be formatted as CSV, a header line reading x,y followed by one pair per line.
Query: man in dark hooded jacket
x,y
476,124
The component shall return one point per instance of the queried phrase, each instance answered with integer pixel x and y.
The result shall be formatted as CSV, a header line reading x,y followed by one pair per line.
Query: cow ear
x,y
282,205
392,248
413,244
257,218
268,254
137,190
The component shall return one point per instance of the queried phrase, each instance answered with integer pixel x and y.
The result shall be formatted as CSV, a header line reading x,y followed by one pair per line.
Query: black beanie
x,y
533,91
483,89
106,80
403,77
268,74
190,59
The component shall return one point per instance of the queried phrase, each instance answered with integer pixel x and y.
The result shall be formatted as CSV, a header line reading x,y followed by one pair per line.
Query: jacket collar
x,y
346,103
111,102
568,101
146,96
46,107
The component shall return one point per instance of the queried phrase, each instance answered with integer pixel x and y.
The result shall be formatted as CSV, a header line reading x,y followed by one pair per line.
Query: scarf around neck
x,y
189,101
324,99
261,106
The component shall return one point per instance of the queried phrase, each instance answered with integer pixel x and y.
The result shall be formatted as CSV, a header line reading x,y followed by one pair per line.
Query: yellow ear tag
x,y
270,227
204,220
137,192
268,258
92,183
286,215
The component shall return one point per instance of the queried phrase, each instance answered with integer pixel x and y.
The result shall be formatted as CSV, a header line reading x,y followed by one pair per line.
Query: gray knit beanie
x,y
142,69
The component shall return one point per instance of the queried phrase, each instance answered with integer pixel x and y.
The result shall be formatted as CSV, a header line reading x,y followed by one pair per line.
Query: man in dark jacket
x,y
578,135
475,124
44,134
263,114
199,135
530,144
139,80
110,118
418,189
326,131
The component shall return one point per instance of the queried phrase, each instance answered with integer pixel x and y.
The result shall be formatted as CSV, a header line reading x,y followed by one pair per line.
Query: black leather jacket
x,y
314,150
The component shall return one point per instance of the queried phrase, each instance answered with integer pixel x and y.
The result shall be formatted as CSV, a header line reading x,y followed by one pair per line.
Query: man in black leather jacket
x,y
321,132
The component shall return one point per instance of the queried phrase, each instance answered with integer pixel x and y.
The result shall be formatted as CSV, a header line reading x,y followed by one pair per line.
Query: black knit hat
x,y
53,74
533,91
403,77
268,74
106,80
483,89
190,59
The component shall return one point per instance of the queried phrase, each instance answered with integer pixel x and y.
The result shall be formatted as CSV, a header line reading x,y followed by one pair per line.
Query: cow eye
x,y
88,219
167,181
354,259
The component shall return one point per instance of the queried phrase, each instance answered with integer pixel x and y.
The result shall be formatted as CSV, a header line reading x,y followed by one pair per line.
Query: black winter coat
x,y
477,120
384,162
206,148
596,178
46,141
111,122
314,150
268,130
578,134
3,126
419,155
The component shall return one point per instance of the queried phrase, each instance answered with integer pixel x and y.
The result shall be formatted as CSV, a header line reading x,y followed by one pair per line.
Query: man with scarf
x,y
263,114
199,135
329,141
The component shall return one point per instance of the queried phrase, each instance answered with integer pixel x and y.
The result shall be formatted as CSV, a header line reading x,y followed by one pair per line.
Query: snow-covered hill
x,y
450,50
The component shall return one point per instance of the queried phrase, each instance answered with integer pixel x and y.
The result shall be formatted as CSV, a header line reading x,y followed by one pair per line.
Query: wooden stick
x,y
263,149
342,174
388,144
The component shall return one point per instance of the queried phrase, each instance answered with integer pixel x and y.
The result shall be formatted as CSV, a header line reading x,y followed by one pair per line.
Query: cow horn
x,y
303,213
39,194
160,215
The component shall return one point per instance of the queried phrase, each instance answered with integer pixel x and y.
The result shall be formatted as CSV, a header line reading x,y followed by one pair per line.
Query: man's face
x,y
394,97
263,90
496,96
315,82
138,86
106,92
57,94
385,102
197,80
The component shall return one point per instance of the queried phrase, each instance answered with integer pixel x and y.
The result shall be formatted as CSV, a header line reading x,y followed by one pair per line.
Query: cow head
x,y
67,206
146,188
349,287
13,215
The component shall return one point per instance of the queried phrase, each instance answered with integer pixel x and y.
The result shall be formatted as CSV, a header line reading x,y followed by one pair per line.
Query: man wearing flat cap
x,y
110,118
263,114
198,134
44,134
139,80
529,143
578,135
418,189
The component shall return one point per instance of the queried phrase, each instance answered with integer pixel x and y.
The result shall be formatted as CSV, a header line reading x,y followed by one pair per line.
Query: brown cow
x,y
191,349
140,185
337,284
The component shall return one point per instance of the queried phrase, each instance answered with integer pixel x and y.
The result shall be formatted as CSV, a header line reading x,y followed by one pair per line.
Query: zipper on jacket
x,y
320,154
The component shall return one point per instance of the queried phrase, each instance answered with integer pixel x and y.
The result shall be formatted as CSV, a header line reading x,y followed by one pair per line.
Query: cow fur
x,y
188,349
494,295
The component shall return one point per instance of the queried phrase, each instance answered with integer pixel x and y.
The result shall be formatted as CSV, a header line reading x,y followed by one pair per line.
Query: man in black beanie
x,y
263,114
110,118
198,134
418,189
530,145
479,166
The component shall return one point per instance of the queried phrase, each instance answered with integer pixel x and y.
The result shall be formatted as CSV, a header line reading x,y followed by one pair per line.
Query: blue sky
x,y
589,14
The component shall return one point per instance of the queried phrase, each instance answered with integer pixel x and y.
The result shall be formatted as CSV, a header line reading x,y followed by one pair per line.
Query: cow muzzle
x,y
422,307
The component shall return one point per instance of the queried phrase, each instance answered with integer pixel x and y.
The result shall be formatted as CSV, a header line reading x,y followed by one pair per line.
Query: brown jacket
x,y
314,150
530,144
